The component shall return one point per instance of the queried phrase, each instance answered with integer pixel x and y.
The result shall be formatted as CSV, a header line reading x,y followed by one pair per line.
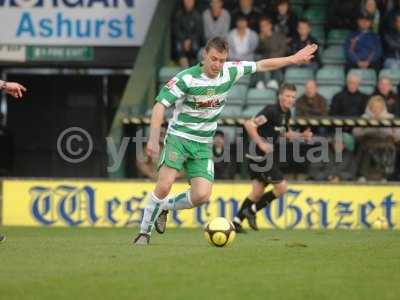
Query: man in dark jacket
x,y
311,104
350,101
302,39
249,11
385,89
363,47
188,33
391,40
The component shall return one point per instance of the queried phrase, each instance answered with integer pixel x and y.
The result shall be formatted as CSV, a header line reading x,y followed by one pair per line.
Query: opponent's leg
x,y
257,190
153,208
280,189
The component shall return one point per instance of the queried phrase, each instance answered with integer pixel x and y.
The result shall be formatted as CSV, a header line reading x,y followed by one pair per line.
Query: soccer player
x,y
199,94
16,90
266,131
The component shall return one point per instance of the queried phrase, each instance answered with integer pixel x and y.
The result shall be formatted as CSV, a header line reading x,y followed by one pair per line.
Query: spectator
x,y
336,170
341,14
350,101
377,149
285,20
216,20
271,44
302,39
363,47
242,41
188,33
391,40
224,162
385,90
311,104
247,10
391,15
369,8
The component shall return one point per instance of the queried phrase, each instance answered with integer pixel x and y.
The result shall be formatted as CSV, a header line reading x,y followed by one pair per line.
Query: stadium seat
x,y
297,75
244,80
318,33
298,9
337,37
368,76
237,94
328,91
333,55
232,110
297,2
252,110
261,97
317,2
367,89
315,14
331,75
392,74
300,90
166,73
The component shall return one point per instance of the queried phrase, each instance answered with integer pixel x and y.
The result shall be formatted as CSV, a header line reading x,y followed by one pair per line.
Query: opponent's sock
x,y
180,201
266,199
151,213
239,216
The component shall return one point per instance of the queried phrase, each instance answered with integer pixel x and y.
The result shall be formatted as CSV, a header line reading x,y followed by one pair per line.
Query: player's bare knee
x,y
201,197
280,188
162,189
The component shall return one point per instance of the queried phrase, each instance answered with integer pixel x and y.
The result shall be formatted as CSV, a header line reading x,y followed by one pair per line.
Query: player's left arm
x,y
303,56
13,88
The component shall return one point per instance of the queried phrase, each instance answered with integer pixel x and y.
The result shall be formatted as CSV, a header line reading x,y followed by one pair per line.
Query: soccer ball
x,y
220,232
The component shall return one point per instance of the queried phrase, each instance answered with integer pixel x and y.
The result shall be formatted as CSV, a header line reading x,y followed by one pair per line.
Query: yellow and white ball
x,y
220,232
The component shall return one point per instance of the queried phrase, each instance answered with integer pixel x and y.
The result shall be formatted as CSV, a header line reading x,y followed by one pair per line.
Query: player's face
x,y
214,61
287,99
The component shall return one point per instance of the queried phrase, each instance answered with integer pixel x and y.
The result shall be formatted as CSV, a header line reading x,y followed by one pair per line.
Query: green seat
x,y
317,2
166,73
328,91
231,110
252,110
297,2
297,75
367,89
333,55
299,90
261,97
318,33
368,76
237,94
392,74
331,75
315,14
297,9
337,37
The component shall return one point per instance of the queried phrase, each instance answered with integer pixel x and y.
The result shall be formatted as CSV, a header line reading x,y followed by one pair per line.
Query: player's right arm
x,y
251,126
172,91
157,118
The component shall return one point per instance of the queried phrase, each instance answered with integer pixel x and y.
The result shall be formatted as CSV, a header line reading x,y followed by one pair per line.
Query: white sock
x,y
180,201
151,213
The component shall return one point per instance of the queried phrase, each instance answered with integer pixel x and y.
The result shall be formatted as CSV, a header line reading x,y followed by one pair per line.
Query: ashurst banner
x,y
107,203
75,22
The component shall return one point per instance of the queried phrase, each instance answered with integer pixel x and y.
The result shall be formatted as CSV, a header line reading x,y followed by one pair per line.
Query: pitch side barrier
x,y
119,203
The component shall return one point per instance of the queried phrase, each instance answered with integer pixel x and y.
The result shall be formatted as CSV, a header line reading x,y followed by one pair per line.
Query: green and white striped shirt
x,y
199,100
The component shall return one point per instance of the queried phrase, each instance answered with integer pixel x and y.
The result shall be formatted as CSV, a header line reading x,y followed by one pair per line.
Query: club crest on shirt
x,y
173,156
210,92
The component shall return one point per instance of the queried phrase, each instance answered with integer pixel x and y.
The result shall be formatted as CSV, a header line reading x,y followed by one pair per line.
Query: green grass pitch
x,y
74,264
